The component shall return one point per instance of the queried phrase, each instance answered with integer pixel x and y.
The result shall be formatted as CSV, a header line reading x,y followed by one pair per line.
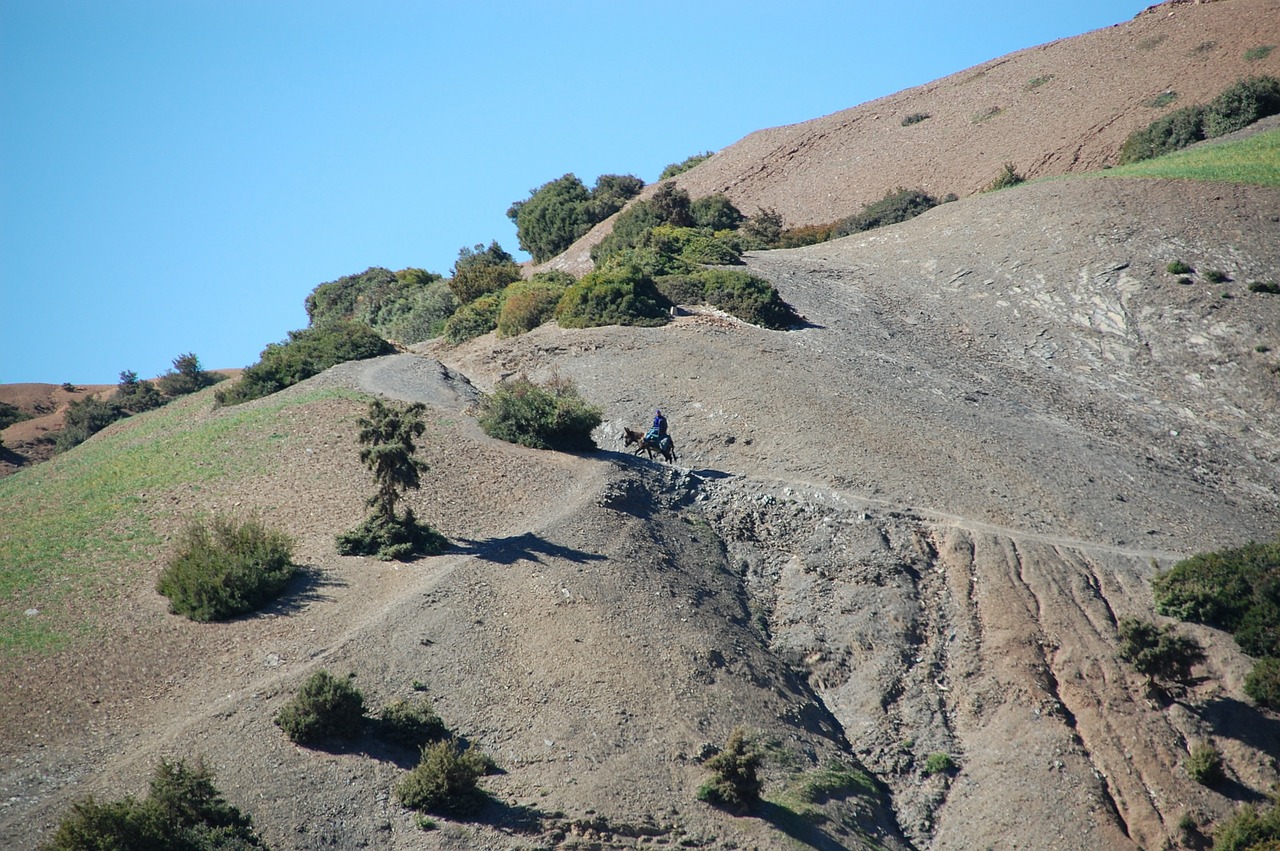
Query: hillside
x,y
1065,107
907,528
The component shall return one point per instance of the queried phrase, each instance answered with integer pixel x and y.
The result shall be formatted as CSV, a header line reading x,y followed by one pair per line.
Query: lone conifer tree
x,y
387,436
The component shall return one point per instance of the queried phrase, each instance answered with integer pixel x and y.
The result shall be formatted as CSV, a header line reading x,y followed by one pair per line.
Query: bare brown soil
x,y
907,528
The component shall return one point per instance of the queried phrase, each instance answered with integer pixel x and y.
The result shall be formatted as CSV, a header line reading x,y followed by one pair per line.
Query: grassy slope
x,y
70,521
1254,160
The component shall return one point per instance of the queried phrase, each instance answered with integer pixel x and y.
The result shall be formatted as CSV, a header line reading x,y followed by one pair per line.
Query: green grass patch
x,y
1262,51
806,792
70,520
1161,100
1255,160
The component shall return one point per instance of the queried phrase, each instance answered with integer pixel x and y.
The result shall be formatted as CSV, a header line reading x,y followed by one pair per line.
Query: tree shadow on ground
x,y
797,827
525,547
1235,719
304,588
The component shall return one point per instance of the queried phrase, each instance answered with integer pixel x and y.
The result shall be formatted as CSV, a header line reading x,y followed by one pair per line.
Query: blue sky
x,y
176,176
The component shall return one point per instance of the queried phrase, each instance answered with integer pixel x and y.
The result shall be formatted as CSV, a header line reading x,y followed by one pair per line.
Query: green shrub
x,y
324,708
1262,51
1217,588
1007,177
225,569
480,271
802,235
1217,276
1264,287
528,304
681,289
715,212
1204,765
85,418
986,114
896,206
735,782
423,314
551,417
1160,653
915,118
611,296
681,167
762,230
183,812
1250,829
473,319
186,377
938,763
10,414
445,780
559,212
135,396
1161,100
1170,133
1177,267
1242,104
412,724
1037,82
668,205
1263,683
306,353
747,297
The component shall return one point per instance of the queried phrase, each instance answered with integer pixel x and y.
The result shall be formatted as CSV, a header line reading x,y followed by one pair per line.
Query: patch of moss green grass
x,y
805,792
1254,160
71,521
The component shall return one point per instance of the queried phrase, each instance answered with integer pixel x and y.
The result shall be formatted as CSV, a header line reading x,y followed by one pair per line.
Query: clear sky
x,y
177,175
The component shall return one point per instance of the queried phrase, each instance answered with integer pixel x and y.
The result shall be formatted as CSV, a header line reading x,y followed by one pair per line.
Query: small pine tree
x,y
736,784
1159,652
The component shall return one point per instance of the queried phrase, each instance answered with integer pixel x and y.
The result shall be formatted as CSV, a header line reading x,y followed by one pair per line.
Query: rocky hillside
x,y
908,528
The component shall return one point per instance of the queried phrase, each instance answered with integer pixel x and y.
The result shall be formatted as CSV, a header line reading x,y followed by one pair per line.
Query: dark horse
x,y
644,444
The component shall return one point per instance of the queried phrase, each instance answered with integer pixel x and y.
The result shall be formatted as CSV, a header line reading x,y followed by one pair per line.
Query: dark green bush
x,y
528,304
1264,287
411,724
306,353
445,781
762,230
681,167
186,377
554,416
1204,765
747,297
1173,132
1161,653
1250,829
559,212
423,314
135,396
10,414
715,212
324,708
400,538
1262,51
1177,267
85,418
938,763
337,301
735,783
1217,588
915,118
682,289
1242,104
1007,177
896,206
480,271
226,568
612,296
473,319
183,812
1263,683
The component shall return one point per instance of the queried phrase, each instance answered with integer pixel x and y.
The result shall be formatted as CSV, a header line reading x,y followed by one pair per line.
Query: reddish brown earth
x,y
907,528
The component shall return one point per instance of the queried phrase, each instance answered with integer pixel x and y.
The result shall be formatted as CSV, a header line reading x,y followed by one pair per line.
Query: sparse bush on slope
x,y
554,416
324,708
183,812
735,782
898,205
305,353
226,568
446,780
